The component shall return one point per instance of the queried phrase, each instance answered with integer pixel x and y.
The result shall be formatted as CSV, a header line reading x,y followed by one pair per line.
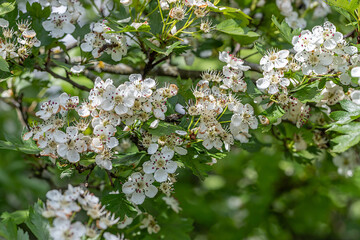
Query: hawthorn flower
x,y
143,88
138,186
274,59
48,109
64,229
305,41
173,203
272,81
233,62
355,72
68,102
58,25
314,62
332,94
243,118
160,164
72,145
150,224
177,13
327,35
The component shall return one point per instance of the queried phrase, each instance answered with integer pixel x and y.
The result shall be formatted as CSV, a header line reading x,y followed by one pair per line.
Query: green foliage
x,y
37,223
349,137
7,7
309,92
349,6
240,34
117,204
352,112
285,30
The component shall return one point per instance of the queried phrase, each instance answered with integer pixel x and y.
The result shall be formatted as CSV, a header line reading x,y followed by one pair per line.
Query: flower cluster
x,y
130,103
321,9
99,41
61,22
274,64
63,208
17,44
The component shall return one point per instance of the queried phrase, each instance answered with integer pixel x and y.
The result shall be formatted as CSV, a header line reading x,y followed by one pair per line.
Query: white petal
x,y
171,166
62,149
151,191
160,175
355,72
73,156
68,27
149,167
60,136
137,198
128,188
152,148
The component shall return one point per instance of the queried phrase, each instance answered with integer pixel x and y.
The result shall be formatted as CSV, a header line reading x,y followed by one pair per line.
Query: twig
x,y
55,75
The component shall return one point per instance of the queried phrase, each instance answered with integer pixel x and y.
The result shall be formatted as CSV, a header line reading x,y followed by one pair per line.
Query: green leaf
x,y
308,93
175,47
8,229
36,11
18,216
347,5
37,223
129,159
352,112
285,30
197,162
261,48
233,28
117,204
21,235
66,173
349,138
163,128
4,66
175,228
273,113
17,144
7,7
233,13
129,28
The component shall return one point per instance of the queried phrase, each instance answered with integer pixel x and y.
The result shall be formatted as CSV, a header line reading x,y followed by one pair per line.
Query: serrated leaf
x,y
21,235
37,223
7,7
66,173
234,29
163,128
347,5
285,30
309,93
273,113
4,66
349,138
8,229
233,13
129,159
196,162
117,204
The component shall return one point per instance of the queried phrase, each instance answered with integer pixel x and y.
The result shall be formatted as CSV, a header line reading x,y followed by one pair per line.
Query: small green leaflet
x,y
347,5
285,30
350,136
4,66
7,7
240,34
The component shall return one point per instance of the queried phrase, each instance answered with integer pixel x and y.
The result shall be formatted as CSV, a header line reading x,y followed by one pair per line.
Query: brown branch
x,y
55,75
